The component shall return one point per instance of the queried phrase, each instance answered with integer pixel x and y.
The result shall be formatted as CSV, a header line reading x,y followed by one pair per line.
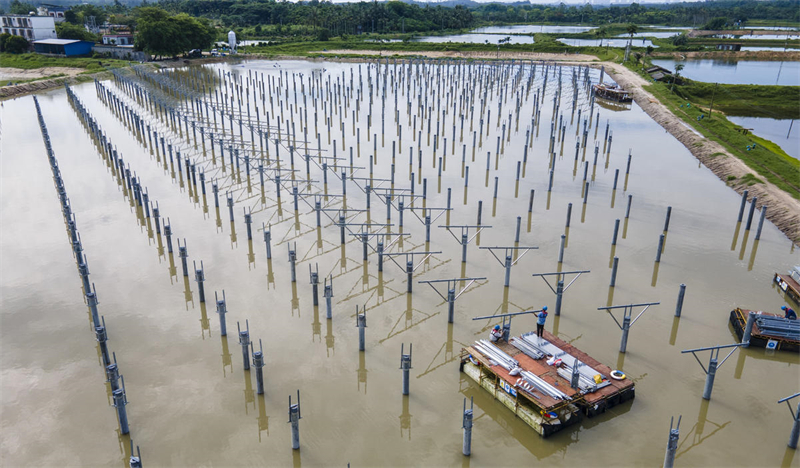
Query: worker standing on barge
x,y
542,317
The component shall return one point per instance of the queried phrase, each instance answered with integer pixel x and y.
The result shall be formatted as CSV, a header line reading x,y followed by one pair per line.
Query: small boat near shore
x,y
611,92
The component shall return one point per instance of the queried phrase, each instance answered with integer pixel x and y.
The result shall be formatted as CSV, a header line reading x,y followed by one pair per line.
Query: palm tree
x,y
601,33
631,28
678,68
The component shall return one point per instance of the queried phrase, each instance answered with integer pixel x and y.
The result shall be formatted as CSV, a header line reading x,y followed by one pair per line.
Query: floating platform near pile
x,y
611,92
789,283
760,338
545,414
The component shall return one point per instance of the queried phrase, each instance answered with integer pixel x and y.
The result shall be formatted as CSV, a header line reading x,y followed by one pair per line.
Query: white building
x,y
56,11
32,28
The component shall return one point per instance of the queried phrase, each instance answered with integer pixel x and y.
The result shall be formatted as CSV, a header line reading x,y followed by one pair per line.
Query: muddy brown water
x,y
191,404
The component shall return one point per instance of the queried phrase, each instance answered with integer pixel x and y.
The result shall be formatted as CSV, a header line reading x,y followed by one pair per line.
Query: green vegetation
x,y
13,44
305,19
31,61
16,82
763,156
544,43
159,33
778,102
20,8
716,24
750,180
66,30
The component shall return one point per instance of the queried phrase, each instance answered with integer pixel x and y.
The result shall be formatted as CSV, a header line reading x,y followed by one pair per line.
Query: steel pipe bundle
x,y
496,354
543,386
586,381
778,327
525,347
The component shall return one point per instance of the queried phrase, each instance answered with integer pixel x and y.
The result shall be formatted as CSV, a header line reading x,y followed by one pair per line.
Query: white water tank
x,y
232,40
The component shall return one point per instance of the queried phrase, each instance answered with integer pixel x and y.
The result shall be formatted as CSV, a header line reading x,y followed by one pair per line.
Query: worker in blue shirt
x,y
789,313
542,316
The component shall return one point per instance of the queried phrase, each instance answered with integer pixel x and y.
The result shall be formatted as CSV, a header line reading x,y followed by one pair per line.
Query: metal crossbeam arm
x,y
709,348
464,230
425,211
631,305
564,273
427,255
389,234
510,314
449,282
789,398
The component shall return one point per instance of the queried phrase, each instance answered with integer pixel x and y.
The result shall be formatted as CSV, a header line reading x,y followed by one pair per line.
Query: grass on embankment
x,y
779,102
543,45
32,61
767,158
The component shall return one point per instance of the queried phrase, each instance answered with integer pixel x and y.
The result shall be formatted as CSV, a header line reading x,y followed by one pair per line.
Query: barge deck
x,y
545,414
738,319
789,284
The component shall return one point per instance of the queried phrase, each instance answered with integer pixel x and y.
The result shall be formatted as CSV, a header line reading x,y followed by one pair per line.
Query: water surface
x,y
533,28
606,42
783,73
782,132
191,403
475,39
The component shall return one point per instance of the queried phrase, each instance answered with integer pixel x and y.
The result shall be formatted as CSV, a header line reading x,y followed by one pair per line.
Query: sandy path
x,y
21,74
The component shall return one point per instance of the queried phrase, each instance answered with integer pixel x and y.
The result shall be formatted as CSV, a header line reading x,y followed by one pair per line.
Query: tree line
x,y
399,17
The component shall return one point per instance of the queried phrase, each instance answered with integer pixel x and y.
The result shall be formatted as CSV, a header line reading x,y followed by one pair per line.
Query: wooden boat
x,y
611,92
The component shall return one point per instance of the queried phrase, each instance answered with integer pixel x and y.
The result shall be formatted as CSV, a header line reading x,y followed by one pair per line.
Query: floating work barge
x,y
611,92
541,394
769,330
790,284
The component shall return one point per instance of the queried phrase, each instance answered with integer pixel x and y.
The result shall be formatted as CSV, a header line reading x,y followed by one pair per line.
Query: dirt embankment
x,y
70,75
21,74
783,210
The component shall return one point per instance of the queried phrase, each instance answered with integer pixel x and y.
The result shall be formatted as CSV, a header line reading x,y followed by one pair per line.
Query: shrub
x,y
15,45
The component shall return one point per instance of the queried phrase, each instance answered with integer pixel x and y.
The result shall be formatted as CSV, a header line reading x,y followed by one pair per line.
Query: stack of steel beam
x,y
543,386
502,359
526,348
778,327
586,381
497,355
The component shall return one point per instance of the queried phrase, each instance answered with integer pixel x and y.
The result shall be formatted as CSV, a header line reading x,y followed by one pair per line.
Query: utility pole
x,y
713,94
